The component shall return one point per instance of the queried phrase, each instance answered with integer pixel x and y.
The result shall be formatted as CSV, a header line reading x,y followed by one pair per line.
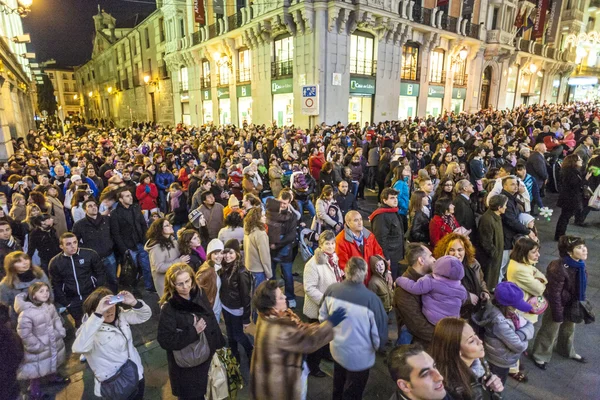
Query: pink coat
x,y
42,333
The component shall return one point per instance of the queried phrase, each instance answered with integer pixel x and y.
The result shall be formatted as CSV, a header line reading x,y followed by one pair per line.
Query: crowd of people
x,y
201,219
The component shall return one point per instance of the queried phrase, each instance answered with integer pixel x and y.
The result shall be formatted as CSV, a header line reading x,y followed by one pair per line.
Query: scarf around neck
x,y
579,266
175,200
450,221
332,261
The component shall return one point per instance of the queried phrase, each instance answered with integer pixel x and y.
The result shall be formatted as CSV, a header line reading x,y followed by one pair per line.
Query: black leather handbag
x,y
124,384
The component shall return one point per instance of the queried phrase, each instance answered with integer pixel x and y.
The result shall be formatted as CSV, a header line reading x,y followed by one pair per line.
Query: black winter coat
x,y
176,331
464,212
419,228
95,234
389,232
236,287
511,225
571,189
45,242
75,277
561,290
346,202
128,227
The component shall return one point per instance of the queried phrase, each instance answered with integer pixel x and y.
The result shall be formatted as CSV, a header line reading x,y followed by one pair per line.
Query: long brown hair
x,y
253,220
184,237
9,267
445,350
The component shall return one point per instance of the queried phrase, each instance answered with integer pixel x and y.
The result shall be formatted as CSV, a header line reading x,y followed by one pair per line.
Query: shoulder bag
x,y
193,354
124,383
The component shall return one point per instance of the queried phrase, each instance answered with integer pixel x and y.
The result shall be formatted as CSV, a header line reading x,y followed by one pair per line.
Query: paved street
x,y
564,379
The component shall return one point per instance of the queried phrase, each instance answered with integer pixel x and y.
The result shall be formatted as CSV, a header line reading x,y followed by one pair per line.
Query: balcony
x,y
363,67
587,71
572,15
125,84
498,36
438,76
460,80
410,73
205,82
282,68
473,31
184,86
244,75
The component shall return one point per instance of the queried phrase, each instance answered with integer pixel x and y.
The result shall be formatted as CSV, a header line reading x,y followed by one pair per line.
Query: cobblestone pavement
x,y
564,379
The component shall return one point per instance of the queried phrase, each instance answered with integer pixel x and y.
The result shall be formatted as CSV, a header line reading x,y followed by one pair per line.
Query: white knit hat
x,y
214,245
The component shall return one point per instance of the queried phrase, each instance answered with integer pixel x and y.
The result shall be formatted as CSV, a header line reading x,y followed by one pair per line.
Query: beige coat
x,y
318,276
275,174
58,212
42,333
530,280
160,261
257,254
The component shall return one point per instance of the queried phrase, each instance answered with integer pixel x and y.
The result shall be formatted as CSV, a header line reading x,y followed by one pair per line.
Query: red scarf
x,y
339,274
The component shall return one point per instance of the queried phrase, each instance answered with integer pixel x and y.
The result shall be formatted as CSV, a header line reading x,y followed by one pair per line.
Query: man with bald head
x,y
356,241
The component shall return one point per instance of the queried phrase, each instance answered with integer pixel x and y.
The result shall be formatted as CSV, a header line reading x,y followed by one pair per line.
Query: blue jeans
x,y
236,335
309,206
257,279
110,269
286,271
141,258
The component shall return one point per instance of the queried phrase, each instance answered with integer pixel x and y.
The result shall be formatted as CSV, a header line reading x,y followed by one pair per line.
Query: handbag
x,y
193,354
594,201
124,383
577,313
539,304
129,271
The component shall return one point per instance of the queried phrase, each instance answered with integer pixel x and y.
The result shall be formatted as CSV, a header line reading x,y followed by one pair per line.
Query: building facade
x,y
16,89
126,80
65,90
367,60
372,60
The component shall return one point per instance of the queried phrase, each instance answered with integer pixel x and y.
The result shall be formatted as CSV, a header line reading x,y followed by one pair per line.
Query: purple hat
x,y
509,294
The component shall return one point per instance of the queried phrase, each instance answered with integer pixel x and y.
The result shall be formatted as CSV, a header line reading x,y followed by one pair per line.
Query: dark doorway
x,y
486,79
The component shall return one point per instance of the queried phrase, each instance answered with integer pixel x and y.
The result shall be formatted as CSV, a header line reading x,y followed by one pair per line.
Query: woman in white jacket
x,y
321,271
105,337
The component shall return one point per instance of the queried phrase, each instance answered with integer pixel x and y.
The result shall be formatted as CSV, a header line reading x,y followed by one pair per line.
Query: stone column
x,y
387,87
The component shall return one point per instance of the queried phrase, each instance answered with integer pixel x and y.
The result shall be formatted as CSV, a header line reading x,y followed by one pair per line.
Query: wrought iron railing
x,y
282,68
460,79
437,76
363,67
244,75
410,73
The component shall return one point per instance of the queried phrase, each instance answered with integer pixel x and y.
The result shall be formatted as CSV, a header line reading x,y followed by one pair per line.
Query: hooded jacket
x,y
503,342
160,261
442,291
42,333
378,285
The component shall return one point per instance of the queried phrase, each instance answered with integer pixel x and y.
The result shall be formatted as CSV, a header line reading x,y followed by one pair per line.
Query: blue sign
x,y
309,91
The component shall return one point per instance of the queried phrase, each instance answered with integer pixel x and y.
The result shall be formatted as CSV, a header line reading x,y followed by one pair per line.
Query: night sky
x,y
63,29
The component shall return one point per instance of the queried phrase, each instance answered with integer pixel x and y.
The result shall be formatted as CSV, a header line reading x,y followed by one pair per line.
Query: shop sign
x,y
206,95
282,86
409,89
436,91
223,92
244,90
362,85
459,93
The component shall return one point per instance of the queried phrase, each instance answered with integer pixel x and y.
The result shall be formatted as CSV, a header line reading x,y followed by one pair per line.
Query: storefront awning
x,y
583,80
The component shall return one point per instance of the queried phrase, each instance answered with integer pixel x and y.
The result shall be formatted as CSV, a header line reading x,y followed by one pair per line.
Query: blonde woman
x,y
185,314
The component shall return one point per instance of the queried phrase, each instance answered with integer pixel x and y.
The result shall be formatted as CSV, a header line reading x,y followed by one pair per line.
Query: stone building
x,y
126,80
65,89
372,60
16,89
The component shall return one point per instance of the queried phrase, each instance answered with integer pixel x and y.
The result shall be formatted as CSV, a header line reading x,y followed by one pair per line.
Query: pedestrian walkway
x,y
564,379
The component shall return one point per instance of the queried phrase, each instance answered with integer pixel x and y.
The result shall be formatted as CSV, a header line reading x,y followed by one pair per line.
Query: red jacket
x,y
184,177
315,163
438,229
346,248
147,200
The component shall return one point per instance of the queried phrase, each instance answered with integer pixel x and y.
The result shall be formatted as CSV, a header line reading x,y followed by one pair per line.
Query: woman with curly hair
x,y
163,251
459,246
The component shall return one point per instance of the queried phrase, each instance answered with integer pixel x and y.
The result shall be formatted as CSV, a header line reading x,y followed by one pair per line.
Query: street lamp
x,y
146,79
75,97
221,59
533,68
109,89
463,53
90,94
23,8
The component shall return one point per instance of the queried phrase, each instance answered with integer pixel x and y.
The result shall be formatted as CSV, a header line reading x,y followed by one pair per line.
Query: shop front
x,y
283,101
360,104
458,100
244,96
583,88
207,107
409,96
224,105
435,100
